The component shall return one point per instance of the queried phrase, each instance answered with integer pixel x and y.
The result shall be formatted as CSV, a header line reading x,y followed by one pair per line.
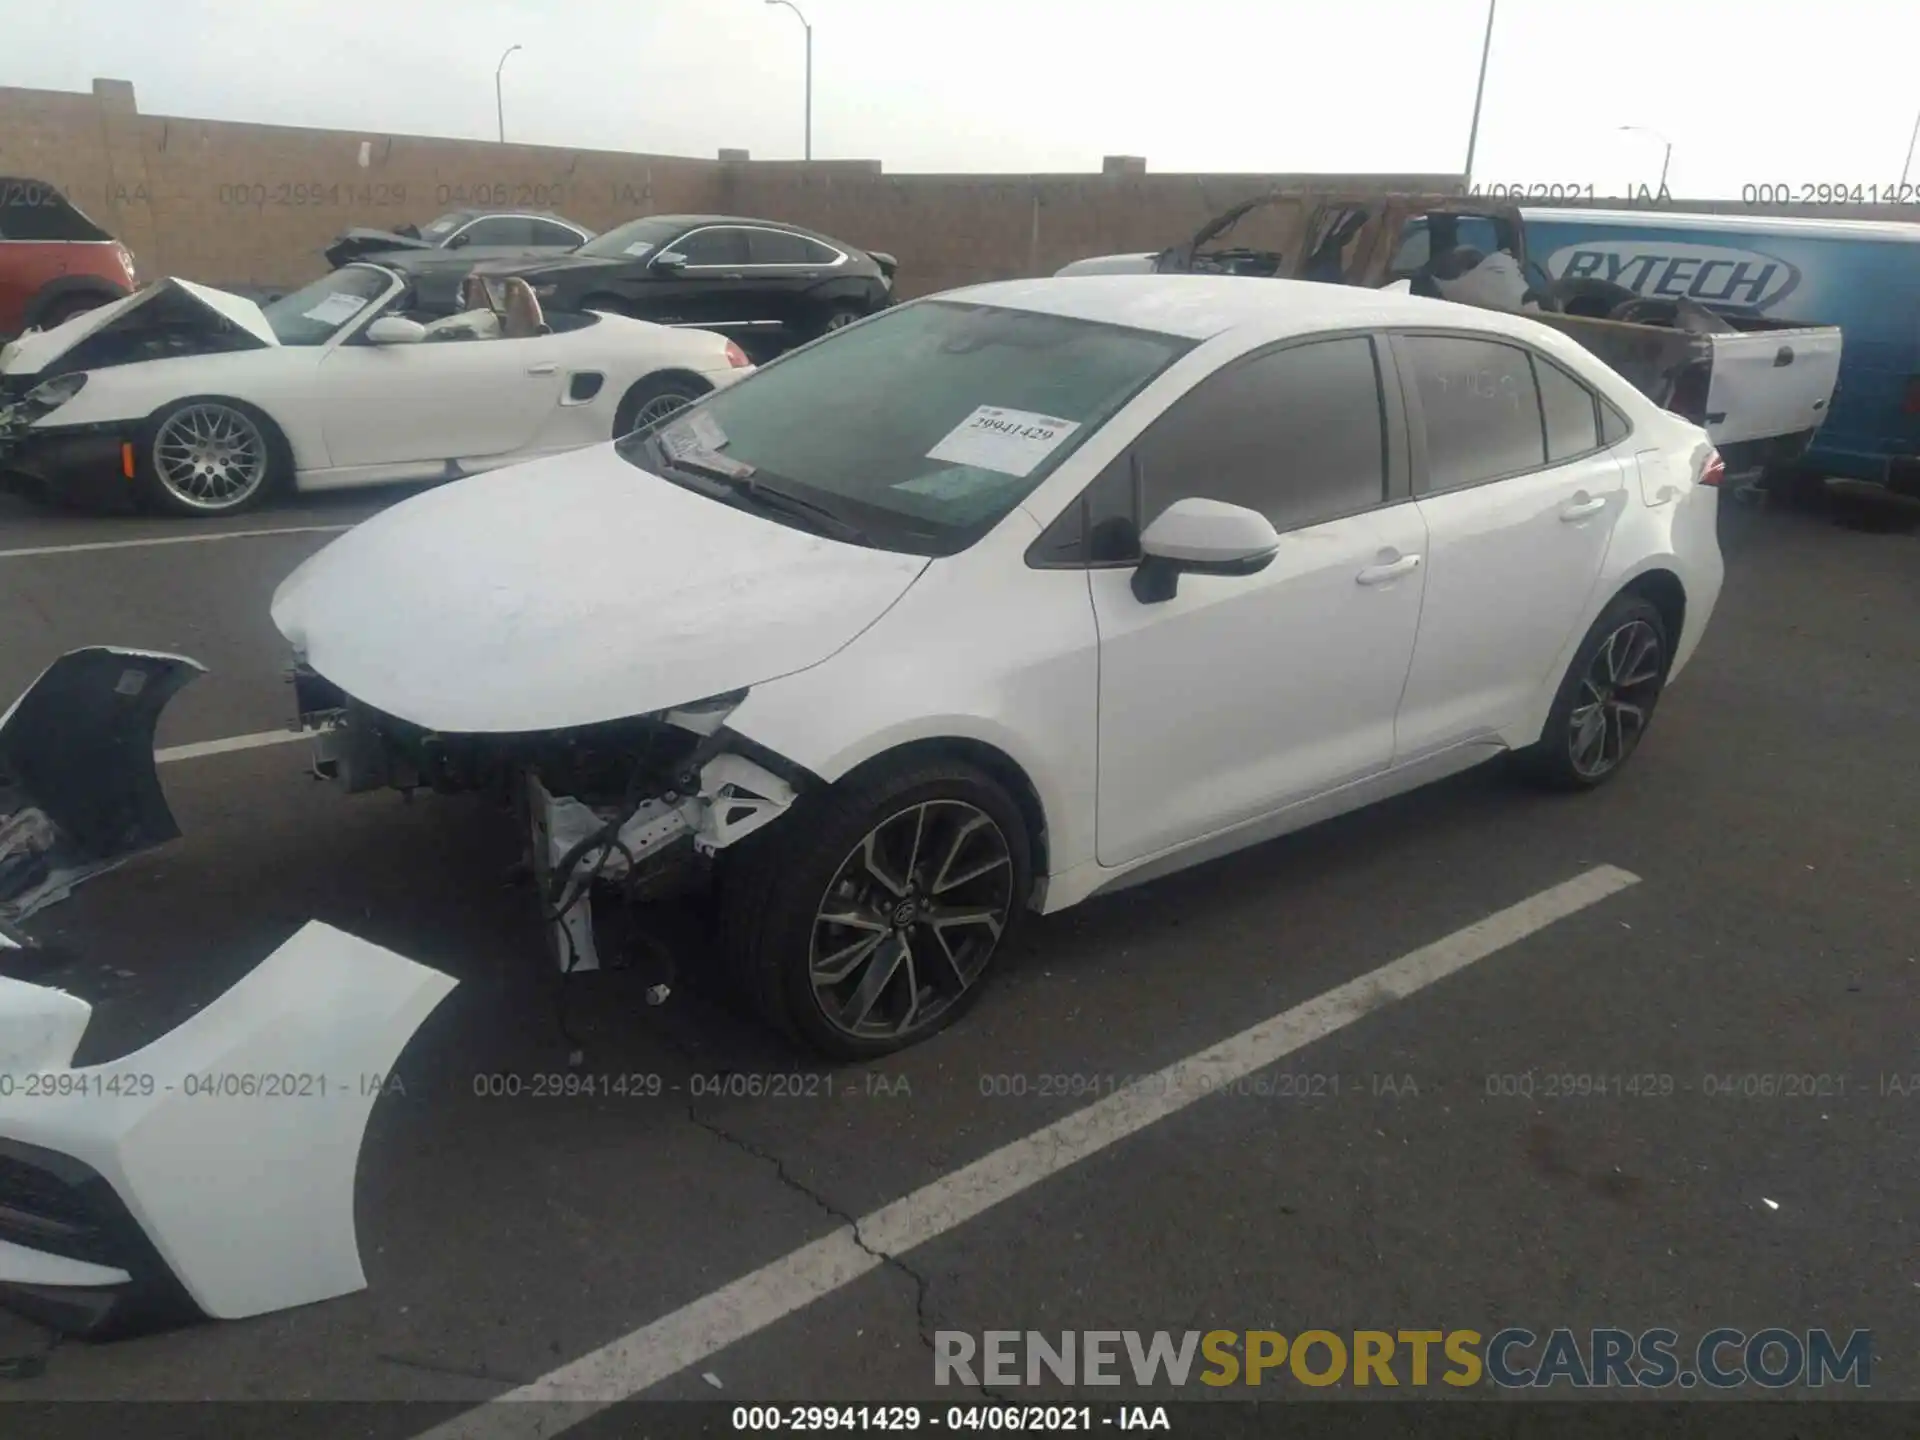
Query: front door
x,y
438,400
1242,695
713,290
1520,498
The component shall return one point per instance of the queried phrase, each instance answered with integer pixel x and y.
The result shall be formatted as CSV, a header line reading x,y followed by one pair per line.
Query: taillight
x,y
736,357
1716,471
1911,405
126,263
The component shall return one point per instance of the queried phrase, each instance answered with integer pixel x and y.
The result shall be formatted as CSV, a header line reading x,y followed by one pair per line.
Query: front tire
x,y
1606,701
205,457
869,918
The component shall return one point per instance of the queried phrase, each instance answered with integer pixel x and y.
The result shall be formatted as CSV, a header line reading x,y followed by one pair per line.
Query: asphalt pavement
x,y
1466,1155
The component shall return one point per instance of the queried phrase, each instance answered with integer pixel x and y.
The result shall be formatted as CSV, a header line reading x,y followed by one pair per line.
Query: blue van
x,y
1862,275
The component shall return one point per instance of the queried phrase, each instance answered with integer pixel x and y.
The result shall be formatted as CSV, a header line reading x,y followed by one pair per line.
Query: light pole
x,y
1486,49
809,29
499,107
1910,143
1665,162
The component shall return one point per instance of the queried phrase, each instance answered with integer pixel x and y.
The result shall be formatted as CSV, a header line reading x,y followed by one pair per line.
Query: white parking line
x,y
232,742
689,1335
32,550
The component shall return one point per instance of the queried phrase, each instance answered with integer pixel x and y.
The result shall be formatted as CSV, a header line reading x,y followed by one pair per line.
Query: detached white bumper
x,y
210,1173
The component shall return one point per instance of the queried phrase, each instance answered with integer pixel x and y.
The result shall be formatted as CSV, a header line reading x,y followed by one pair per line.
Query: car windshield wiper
x,y
756,493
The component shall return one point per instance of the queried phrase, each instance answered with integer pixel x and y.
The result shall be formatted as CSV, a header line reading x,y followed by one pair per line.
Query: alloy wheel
x,y
658,409
210,457
1615,697
910,920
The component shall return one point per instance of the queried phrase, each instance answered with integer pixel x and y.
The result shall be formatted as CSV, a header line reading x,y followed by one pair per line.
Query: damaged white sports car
x,y
1014,595
196,402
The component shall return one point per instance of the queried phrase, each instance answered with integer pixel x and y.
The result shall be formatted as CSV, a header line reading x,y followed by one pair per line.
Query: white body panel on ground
x,y
247,1197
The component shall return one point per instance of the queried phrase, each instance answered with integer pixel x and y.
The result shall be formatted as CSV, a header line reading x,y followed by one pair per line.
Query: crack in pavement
x,y
923,1321
434,1367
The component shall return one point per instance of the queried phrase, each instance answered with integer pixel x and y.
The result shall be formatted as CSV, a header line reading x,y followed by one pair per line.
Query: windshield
x,y
920,429
312,314
635,239
436,231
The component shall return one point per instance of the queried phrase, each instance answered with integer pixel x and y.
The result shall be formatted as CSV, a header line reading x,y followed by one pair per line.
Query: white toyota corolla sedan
x,y
1013,596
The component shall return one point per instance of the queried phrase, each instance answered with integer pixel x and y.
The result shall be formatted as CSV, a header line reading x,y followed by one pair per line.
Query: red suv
x,y
54,261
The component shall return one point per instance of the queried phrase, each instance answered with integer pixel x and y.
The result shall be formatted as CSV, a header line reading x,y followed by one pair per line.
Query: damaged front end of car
x,y
634,809
209,1173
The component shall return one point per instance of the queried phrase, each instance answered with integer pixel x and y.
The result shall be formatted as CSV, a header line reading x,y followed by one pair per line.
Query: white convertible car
x,y
198,402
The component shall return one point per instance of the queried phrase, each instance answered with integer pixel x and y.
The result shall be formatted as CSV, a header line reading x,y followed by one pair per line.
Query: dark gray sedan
x,y
438,256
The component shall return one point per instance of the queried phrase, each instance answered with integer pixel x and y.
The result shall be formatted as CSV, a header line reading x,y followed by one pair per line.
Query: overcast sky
x,y
1787,92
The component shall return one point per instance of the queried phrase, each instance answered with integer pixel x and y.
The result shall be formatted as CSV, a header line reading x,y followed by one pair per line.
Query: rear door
x,y
1520,492
786,277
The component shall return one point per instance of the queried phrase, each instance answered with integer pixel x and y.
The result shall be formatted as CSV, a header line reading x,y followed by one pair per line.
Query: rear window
x,y
34,210
925,426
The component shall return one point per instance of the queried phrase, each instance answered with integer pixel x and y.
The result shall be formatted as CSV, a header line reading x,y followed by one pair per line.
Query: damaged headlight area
x,y
635,808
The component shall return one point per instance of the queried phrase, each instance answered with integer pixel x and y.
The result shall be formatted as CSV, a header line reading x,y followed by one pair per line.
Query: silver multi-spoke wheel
x,y
1615,697
910,920
210,457
658,409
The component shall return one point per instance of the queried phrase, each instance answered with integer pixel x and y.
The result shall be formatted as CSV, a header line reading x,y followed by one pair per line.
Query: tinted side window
x,y
1298,435
777,247
818,254
1481,408
1573,426
1613,425
721,245
499,230
545,232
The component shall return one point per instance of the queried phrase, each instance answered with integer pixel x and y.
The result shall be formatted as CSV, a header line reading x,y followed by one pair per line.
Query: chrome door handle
x,y
1581,509
1392,570
542,369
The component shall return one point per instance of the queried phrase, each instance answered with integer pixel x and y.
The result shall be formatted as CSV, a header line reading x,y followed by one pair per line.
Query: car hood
x,y
358,244
38,349
573,591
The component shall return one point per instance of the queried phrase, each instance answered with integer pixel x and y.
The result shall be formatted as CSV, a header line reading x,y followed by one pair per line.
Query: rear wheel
x,y
1606,701
210,457
839,317
653,400
868,919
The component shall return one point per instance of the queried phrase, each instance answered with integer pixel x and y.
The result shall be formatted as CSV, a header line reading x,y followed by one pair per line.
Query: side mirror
x,y
458,242
396,330
669,261
1201,537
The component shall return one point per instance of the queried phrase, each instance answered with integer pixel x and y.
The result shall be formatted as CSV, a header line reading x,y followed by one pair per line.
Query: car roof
x,y
787,225
473,212
1199,307
1901,231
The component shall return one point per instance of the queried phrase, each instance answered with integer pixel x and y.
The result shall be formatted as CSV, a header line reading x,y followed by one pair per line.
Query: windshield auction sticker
x,y
1012,442
336,309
